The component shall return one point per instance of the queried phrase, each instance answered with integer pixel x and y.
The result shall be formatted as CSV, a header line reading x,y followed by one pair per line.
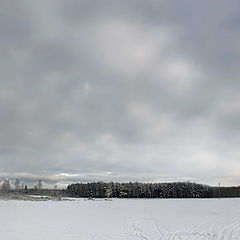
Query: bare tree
x,y
6,185
108,192
39,184
17,184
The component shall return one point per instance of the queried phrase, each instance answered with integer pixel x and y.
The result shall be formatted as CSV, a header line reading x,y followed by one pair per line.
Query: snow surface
x,y
125,219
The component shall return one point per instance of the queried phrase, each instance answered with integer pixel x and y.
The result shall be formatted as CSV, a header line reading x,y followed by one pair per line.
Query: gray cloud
x,y
140,91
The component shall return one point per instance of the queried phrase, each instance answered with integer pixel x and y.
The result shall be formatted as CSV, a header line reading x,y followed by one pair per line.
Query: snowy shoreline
x,y
20,197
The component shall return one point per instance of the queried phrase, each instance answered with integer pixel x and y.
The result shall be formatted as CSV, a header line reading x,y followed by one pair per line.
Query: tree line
x,y
123,190
149,190
7,185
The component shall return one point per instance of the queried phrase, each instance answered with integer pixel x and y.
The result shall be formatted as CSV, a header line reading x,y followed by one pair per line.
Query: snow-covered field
x,y
125,219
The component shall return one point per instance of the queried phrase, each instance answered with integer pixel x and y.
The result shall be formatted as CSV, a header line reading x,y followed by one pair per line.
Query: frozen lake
x,y
125,219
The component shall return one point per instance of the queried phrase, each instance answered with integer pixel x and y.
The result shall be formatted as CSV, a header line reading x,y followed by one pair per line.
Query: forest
x,y
149,190
124,190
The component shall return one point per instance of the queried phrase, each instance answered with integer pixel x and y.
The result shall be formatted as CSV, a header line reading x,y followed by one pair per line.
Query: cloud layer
x,y
120,90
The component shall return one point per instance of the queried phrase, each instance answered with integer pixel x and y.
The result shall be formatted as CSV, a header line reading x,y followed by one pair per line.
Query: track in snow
x,y
216,229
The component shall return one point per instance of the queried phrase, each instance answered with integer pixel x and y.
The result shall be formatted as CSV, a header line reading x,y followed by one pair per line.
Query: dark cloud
x,y
127,90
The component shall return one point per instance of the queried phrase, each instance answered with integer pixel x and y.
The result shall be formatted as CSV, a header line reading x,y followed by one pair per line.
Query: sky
x,y
128,90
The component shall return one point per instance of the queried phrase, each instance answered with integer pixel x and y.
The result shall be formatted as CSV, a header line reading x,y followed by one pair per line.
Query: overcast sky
x,y
120,91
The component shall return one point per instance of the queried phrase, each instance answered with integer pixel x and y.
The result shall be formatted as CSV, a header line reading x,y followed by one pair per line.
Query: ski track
x,y
214,229
227,230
